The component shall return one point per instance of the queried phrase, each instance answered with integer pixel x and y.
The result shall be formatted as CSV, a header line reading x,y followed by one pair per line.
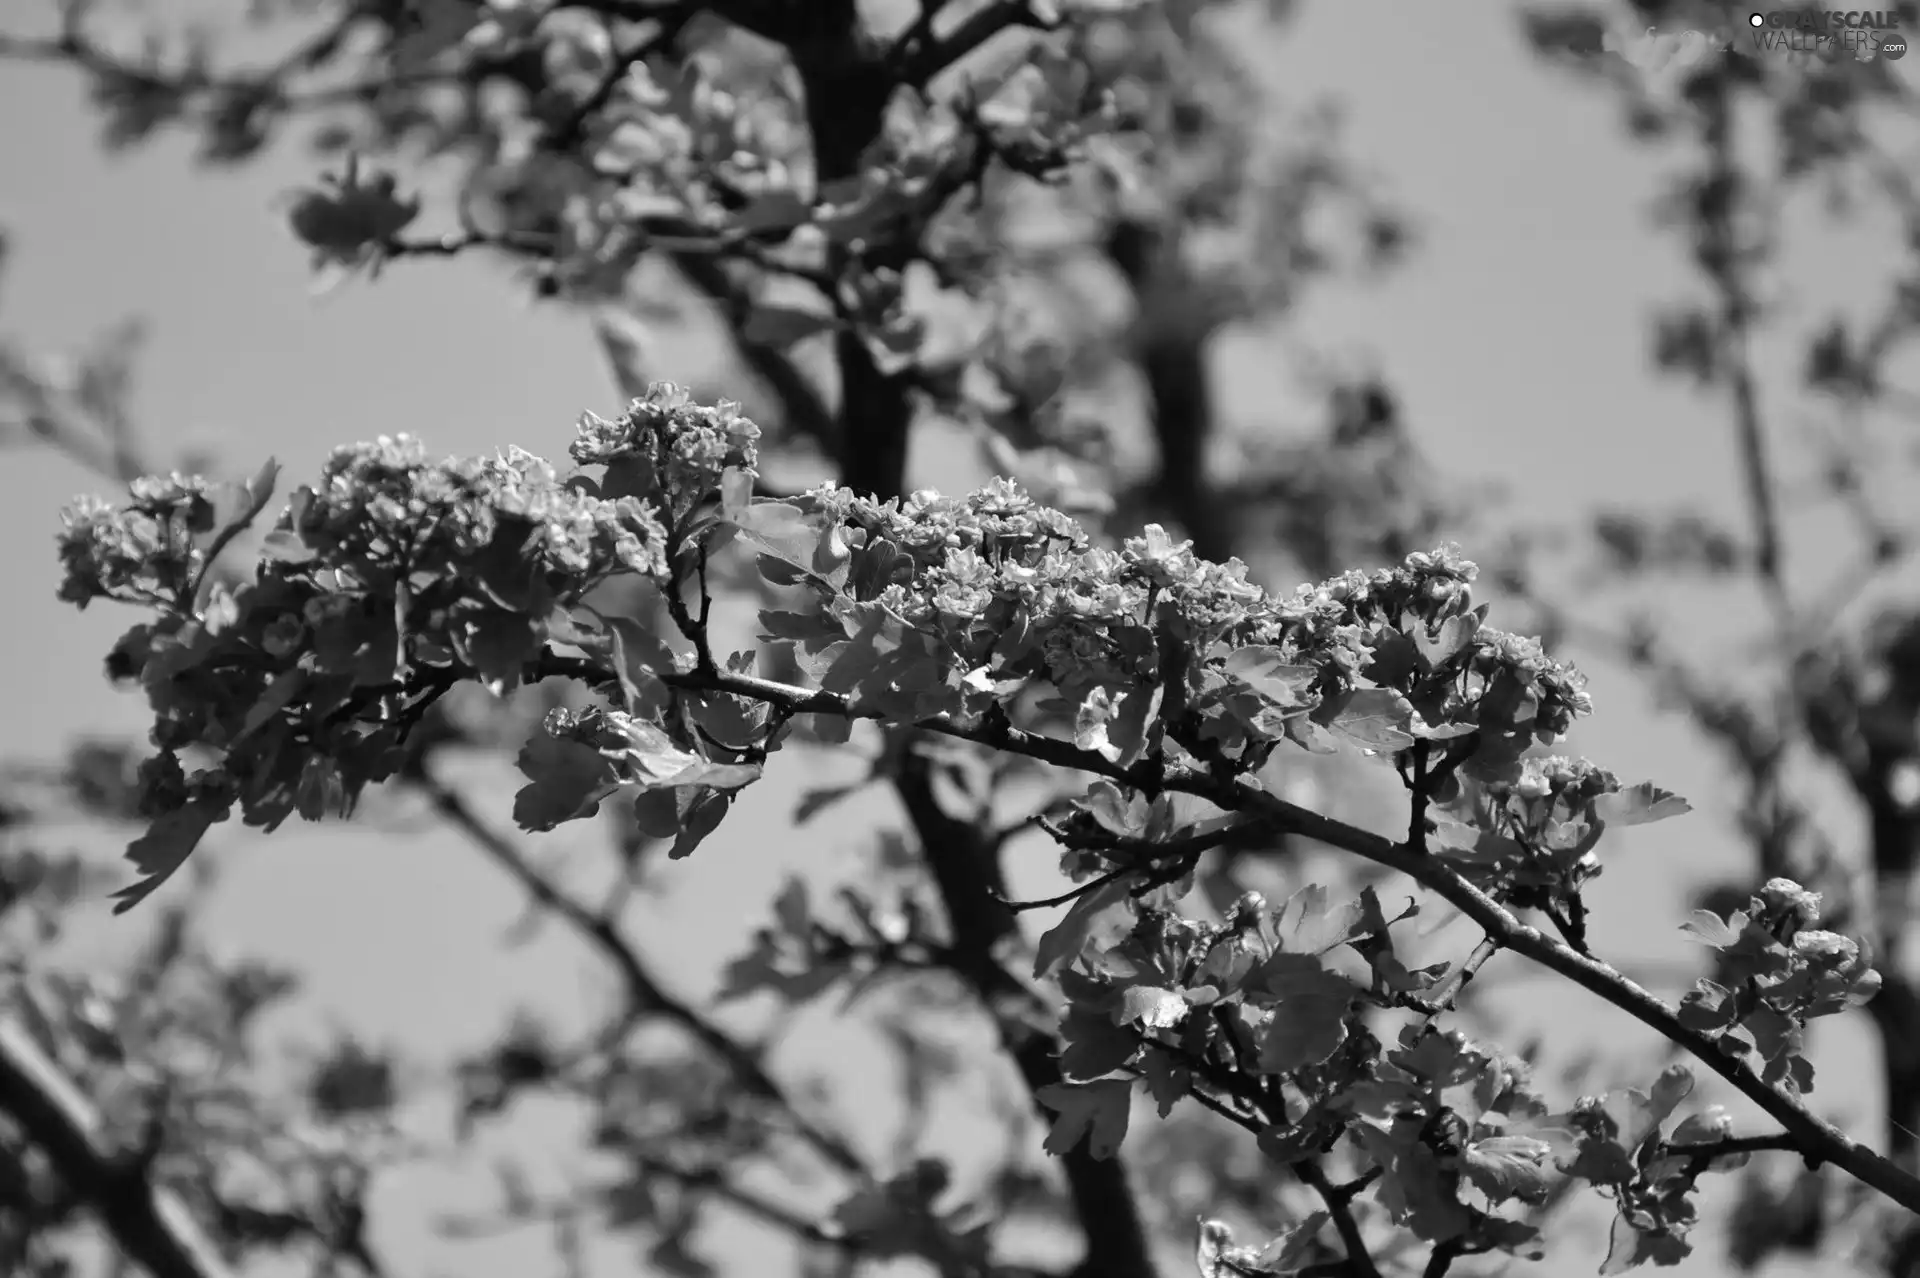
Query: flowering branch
x,y
396,579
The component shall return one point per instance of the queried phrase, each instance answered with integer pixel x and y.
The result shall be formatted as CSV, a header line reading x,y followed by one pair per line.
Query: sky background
x,y
1515,335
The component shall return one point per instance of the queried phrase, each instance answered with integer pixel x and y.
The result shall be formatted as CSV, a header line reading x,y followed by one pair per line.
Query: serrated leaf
x,y
1709,928
1504,1167
782,531
700,818
165,847
1292,1249
1640,804
496,644
1096,1113
1303,1031
639,656
567,780
1094,1045
1167,1080
1151,1006
284,546
1265,670
1376,718
1062,943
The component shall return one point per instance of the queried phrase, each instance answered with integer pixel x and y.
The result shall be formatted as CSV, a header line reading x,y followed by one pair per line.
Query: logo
x,y
1860,34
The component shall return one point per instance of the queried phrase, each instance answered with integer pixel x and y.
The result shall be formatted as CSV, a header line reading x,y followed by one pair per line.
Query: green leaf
x,y
783,532
1504,1167
284,546
1292,1249
700,818
1265,670
567,781
1376,718
1709,928
1640,804
1094,1112
782,326
1061,944
165,847
1453,634
639,654
1304,1030
654,758
496,644
1152,1007
1308,925
1167,1080
1094,1045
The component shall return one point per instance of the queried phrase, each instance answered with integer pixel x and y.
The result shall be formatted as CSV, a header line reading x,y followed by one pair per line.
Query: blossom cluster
x,y
383,508
144,552
669,447
296,680
1016,591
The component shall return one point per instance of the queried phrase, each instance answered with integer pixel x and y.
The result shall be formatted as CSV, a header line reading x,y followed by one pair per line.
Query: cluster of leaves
x,y
988,617
380,587
1779,972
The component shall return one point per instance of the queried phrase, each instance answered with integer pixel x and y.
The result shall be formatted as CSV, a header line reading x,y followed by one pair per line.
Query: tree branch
x,y
147,1221
645,995
1815,1138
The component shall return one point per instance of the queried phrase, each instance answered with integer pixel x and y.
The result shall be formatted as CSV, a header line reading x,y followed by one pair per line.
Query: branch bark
x,y
1814,1137
147,1221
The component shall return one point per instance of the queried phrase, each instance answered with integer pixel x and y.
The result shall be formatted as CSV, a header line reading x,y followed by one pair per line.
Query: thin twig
x,y
645,994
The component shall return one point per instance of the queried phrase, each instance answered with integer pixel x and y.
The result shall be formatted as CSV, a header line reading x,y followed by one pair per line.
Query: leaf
x,y
700,818
1265,670
1094,1045
1094,1112
1116,812
782,531
1708,1008
278,696
497,644
1062,943
284,546
1303,1031
1376,718
655,758
1152,1007
1167,1080
639,654
1309,926
1455,633
1709,928
1640,804
782,326
1505,1167
165,847
1290,1250
568,779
